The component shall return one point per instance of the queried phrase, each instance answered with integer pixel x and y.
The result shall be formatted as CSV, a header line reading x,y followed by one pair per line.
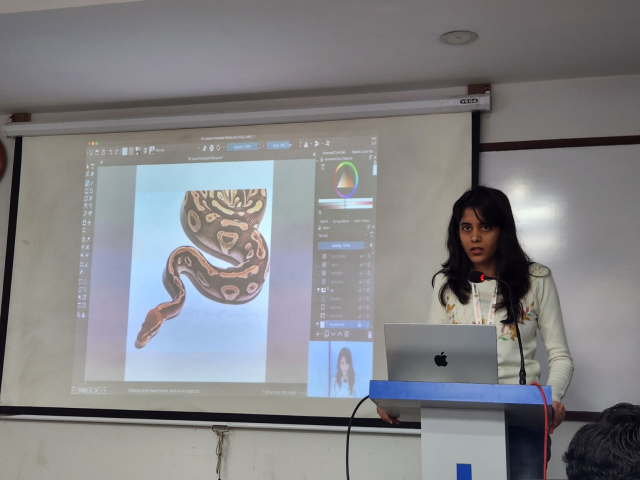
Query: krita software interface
x,y
236,265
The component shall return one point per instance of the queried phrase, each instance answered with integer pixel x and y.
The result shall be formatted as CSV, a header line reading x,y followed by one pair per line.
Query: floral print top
x,y
541,311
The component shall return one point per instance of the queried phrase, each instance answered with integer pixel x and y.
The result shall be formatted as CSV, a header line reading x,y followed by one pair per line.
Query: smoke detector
x,y
458,37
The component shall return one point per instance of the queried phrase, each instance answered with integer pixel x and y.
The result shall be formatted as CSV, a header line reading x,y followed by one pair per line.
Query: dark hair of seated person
x,y
609,448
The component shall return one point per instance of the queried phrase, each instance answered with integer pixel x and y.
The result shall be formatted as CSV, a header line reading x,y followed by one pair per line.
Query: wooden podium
x,y
463,425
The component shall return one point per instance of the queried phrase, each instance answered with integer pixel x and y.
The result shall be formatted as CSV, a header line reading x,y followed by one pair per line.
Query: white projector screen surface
x,y
577,212
225,270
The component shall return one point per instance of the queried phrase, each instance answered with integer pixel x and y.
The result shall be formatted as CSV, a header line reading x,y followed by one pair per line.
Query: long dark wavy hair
x,y
512,264
351,375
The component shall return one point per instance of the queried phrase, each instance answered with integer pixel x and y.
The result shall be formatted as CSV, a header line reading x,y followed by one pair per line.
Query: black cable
x,y
523,373
349,430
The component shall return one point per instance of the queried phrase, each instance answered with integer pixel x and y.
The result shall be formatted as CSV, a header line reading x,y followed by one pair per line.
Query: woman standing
x,y
482,236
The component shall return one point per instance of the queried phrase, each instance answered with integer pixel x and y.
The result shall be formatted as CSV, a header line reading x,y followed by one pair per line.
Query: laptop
x,y
419,352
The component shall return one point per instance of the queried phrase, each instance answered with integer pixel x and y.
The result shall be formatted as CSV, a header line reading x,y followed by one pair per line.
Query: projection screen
x,y
238,270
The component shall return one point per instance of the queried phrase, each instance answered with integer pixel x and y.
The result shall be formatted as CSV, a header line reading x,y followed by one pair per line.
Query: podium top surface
x,y
522,403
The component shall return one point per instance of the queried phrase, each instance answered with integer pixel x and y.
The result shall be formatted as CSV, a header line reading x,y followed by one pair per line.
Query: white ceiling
x,y
163,52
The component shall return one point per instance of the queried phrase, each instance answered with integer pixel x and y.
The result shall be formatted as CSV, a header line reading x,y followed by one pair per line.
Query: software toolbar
x,y
345,244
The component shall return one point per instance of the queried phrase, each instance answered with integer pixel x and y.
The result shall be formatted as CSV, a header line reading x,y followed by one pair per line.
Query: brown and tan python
x,y
223,223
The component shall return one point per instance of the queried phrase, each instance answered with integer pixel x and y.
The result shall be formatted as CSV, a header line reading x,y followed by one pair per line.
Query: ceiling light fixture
x,y
458,37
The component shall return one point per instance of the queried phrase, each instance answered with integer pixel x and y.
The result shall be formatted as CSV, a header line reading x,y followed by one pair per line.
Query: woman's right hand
x,y
387,418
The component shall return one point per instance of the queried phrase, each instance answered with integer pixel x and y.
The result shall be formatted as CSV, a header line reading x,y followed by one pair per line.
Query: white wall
x,y
46,450
559,109
587,107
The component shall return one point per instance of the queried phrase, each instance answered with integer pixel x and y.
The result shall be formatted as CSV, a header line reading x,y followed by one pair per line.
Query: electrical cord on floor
x,y
349,430
219,431
546,428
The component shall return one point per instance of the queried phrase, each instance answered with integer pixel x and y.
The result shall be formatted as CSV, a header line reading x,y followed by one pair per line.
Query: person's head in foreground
x,y
609,448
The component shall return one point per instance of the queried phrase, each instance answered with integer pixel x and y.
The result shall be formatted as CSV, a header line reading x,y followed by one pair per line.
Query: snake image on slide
x,y
223,223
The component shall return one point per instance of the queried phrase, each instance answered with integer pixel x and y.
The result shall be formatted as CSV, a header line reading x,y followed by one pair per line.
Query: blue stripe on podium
x,y
464,471
459,392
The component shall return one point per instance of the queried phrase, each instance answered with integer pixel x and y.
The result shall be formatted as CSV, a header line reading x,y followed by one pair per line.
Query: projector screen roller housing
x,y
234,270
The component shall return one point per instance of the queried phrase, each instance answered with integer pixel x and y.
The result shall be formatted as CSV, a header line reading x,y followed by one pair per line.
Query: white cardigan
x,y
541,310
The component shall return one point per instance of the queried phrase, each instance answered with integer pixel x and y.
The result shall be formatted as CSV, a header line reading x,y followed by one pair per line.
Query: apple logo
x,y
441,360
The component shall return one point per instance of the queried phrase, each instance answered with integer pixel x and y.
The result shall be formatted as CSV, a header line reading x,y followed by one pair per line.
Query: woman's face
x,y
344,366
479,240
